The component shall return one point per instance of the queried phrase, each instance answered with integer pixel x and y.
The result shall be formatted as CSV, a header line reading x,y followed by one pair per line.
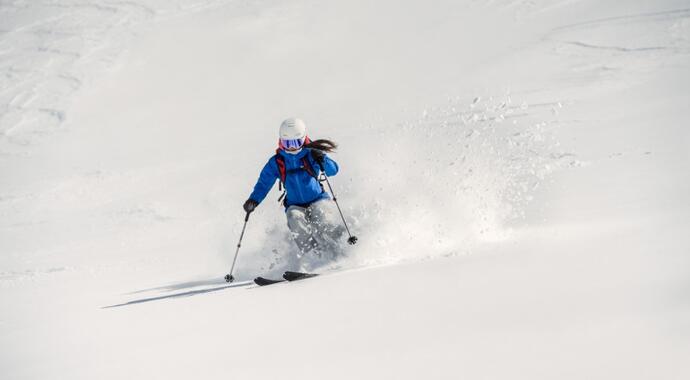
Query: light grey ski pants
x,y
315,228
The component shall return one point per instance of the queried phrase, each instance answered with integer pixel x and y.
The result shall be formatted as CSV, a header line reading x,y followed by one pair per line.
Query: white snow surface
x,y
517,172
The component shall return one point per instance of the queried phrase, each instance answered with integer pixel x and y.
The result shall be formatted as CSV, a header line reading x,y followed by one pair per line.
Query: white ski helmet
x,y
293,134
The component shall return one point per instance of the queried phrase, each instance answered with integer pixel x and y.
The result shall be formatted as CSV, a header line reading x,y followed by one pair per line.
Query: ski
x,y
287,276
266,281
294,276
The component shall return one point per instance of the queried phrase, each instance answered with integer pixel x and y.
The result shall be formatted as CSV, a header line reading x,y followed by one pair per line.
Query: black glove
x,y
318,155
250,205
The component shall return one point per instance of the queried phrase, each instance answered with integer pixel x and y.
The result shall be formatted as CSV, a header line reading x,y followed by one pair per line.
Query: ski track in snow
x,y
50,50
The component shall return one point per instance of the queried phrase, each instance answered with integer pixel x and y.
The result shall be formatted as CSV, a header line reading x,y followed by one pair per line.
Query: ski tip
x,y
293,276
265,281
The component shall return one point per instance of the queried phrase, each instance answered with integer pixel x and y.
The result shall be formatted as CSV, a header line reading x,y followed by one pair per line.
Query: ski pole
x,y
229,277
352,239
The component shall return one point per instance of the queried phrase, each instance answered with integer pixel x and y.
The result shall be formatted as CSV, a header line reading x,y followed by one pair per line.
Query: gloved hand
x,y
318,155
250,205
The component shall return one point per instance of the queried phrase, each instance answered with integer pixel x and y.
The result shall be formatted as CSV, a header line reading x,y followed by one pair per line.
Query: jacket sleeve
x,y
329,166
267,179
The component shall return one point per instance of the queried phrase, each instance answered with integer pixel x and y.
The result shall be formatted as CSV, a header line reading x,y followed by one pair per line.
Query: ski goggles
x,y
292,143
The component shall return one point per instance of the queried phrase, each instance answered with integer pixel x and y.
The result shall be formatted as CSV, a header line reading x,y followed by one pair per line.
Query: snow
x,y
516,171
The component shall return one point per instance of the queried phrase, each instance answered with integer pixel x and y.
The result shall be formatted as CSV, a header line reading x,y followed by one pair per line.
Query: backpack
x,y
283,172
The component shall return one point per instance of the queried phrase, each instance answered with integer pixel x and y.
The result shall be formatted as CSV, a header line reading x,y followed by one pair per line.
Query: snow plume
x,y
453,178
437,185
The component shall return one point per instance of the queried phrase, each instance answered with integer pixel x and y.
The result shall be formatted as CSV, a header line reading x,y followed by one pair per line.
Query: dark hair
x,y
327,146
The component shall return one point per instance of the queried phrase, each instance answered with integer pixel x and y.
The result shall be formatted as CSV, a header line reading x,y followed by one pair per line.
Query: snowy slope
x,y
517,173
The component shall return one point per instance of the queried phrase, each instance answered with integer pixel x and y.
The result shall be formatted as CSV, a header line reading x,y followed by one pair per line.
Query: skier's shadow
x,y
181,286
220,285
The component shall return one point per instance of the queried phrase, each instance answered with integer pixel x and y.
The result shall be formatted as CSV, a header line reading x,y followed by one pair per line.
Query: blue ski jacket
x,y
302,188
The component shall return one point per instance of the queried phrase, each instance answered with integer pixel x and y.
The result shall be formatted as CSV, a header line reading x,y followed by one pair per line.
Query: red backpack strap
x,y
280,161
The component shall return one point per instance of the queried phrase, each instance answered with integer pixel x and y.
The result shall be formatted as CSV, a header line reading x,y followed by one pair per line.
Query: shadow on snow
x,y
180,295
182,285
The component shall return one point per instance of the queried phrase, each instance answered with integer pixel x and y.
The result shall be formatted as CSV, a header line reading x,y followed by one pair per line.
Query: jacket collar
x,y
299,155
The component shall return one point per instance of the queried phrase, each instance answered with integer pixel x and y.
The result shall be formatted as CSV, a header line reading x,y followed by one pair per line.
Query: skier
x,y
308,207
